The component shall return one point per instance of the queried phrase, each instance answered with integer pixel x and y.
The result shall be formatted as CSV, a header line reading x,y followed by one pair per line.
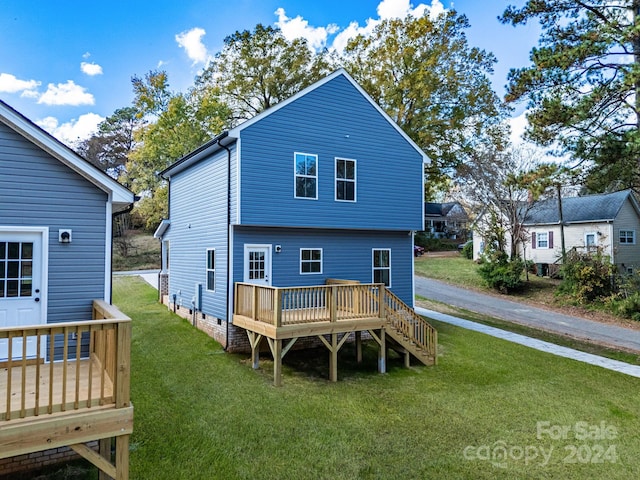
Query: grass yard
x,y
201,413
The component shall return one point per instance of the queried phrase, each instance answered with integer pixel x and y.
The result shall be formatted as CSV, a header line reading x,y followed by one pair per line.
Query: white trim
x,y
108,252
355,179
238,183
373,250
413,268
296,175
207,270
538,247
312,261
162,228
44,270
230,277
36,135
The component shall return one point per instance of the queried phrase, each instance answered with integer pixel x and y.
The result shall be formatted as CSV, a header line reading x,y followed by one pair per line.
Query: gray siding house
x,y
56,214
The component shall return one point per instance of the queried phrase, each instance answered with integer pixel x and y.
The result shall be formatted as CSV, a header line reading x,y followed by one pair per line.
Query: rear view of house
x,y
322,186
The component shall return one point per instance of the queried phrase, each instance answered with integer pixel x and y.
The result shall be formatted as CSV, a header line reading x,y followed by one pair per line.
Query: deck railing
x,y
299,305
68,366
412,326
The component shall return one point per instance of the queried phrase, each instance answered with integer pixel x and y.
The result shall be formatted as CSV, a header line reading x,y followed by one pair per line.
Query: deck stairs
x,y
410,334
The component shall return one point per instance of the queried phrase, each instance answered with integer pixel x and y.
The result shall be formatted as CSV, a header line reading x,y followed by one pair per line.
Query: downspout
x,y
229,246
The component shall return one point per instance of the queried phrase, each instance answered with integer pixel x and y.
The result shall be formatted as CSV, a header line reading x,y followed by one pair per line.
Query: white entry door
x,y
21,285
257,264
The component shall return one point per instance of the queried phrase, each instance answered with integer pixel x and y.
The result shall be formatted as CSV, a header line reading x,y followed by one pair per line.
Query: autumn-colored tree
x,y
424,74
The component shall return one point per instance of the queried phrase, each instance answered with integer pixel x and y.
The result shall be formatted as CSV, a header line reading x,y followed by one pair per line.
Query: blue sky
x,y
68,64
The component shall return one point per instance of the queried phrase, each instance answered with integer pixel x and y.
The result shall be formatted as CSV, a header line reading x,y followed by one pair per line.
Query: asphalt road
x,y
524,314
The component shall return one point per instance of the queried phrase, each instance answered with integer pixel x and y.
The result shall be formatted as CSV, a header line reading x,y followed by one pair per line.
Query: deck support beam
x,y
334,347
276,351
359,346
382,351
254,342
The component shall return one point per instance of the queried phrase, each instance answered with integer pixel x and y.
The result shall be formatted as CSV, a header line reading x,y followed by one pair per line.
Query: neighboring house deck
x,y
81,396
64,351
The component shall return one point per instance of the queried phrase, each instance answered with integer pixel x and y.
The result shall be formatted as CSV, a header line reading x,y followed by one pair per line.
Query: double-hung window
x,y
345,180
306,175
211,269
382,266
627,237
310,260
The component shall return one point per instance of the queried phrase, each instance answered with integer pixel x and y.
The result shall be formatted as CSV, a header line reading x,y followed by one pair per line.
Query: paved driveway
x,y
498,307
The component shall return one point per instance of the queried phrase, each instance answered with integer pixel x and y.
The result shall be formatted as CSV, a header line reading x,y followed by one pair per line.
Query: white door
x,y
257,264
21,258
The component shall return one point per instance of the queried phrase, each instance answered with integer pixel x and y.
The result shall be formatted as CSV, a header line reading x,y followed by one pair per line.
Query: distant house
x,y
64,362
607,222
446,220
321,189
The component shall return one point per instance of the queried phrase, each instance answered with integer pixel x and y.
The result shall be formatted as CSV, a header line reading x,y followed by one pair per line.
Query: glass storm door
x,y
257,264
20,284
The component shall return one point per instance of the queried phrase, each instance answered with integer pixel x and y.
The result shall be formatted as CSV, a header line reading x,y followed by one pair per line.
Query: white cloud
x,y
86,55
298,27
91,69
518,125
191,41
74,130
318,37
66,94
10,84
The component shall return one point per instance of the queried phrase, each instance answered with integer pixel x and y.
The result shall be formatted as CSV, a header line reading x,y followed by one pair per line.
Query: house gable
x,y
331,121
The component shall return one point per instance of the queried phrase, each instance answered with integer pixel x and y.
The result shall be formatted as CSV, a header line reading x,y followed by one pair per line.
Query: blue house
x,y
322,187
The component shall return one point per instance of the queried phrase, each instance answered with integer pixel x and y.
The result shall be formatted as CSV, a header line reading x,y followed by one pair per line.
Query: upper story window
x,y
382,266
345,180
211,269
306,177
310,260
628,237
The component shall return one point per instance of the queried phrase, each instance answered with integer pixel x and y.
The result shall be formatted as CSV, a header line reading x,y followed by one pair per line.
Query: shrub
x,y
500,273
629,307
586,277
467,250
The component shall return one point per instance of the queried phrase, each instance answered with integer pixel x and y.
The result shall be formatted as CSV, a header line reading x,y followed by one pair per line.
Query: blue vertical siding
x,y
333,120
346,255
38,190
198,212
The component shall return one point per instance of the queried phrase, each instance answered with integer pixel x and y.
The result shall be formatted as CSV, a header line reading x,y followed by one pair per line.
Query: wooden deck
x,y
68,396
331,312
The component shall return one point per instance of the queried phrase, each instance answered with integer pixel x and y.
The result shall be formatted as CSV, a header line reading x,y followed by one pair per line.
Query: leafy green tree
x,y
175,124
428,79
255,70
109,148
583,84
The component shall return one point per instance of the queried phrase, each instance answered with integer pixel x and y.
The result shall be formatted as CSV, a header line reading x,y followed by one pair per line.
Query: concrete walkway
x,y
626,368
149,276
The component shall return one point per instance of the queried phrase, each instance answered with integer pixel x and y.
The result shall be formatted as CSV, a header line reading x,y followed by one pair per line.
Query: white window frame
x,y
303,261
626,237
595,240
296,175
546,240
210,269
373,263
354,180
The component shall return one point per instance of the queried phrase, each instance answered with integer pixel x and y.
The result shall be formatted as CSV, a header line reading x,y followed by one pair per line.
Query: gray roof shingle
x,y
589,208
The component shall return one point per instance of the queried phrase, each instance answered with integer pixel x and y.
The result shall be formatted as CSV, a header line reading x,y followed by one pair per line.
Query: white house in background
x,y
609,222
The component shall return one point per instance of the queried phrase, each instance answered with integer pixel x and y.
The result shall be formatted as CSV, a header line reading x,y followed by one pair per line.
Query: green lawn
x,y
201,413
456,269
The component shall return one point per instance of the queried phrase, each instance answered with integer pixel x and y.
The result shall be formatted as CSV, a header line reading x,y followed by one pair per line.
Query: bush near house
x,y
502,274
586,277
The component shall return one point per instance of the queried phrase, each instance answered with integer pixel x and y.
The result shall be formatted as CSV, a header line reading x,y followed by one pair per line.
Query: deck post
x,y
122,457
277,363
277,309
104,448
359,346
123,373
382,354
333,359
333,303
254,303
